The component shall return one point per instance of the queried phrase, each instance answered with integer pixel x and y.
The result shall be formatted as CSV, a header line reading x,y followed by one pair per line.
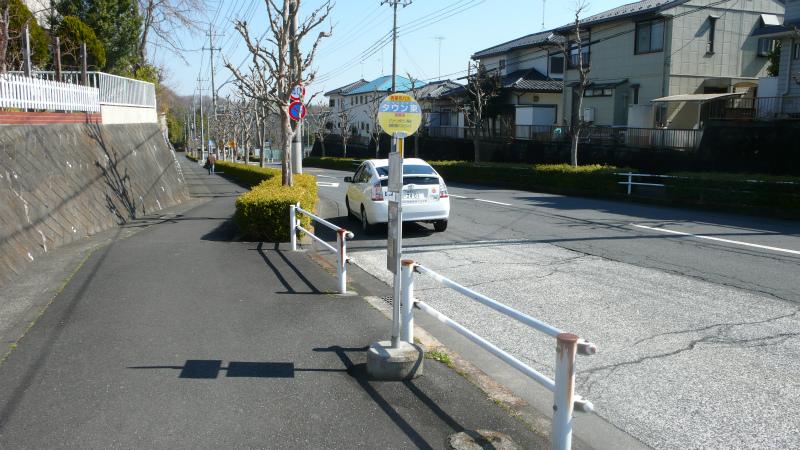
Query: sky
x,y
435,38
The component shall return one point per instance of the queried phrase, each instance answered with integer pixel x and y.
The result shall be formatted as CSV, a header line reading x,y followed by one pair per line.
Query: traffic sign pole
x,y
395,235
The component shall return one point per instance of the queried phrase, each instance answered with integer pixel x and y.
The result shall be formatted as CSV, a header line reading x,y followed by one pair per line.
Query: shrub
x,y
73,31
263,213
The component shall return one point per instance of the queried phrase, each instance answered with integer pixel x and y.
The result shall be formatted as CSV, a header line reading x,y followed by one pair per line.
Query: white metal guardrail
x,y
115,90
341,241
567,347
631,183
40,94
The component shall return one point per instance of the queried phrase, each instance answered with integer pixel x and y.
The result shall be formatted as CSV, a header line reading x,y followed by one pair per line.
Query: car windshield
x,y
416,169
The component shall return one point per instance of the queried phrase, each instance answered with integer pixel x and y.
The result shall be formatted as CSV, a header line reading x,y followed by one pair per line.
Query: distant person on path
x,y
211,160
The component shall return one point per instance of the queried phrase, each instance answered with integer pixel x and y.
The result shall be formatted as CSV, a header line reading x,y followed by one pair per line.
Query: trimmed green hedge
x,y
742,193
263,213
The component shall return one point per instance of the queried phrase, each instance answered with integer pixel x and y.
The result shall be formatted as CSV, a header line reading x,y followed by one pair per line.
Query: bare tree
x,y
415,85
4,37
281,61
481,87
319,123
373,106
574,42
345,122
162,19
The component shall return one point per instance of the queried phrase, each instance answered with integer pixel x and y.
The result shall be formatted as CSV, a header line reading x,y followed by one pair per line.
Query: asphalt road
x,y
696,313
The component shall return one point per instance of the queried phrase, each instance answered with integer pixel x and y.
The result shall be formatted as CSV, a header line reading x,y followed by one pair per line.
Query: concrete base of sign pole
x,y
394,364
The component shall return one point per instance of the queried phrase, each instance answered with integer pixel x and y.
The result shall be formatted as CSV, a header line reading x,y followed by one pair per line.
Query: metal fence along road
x,y
568,346
341,241
39,94
114,89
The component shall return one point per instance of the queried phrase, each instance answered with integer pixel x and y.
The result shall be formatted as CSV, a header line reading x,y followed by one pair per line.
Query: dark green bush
x,y
263,212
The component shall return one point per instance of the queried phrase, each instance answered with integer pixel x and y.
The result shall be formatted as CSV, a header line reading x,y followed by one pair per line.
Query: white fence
x,y
341,241
39,94
114,90
568,345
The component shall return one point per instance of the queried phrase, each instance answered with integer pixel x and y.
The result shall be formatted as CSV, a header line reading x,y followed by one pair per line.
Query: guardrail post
x,y
293,227
563,405
630,181
341,268
407,301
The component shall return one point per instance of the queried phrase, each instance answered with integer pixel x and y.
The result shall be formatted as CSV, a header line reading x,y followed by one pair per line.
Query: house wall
x,y
535,57
735,50
792,11
788,66
613,58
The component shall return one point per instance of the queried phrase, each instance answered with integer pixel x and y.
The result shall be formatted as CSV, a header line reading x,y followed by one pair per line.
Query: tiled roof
x,y
346,88
530,80
383,84
530,40
630,9
435,89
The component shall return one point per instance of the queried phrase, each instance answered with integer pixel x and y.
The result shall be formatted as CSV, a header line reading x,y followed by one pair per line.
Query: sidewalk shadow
x,y
283,260
360,375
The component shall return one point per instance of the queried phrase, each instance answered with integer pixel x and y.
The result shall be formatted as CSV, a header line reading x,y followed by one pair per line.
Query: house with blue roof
x,y
355,105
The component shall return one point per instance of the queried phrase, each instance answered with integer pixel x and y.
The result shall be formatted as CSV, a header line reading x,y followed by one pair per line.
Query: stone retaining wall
x,y
62,182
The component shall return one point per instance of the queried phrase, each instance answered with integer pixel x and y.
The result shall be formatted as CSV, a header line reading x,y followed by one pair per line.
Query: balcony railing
x,y
114,89
754,108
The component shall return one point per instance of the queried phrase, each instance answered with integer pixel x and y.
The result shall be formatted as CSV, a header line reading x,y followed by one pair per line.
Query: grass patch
x,y
442,357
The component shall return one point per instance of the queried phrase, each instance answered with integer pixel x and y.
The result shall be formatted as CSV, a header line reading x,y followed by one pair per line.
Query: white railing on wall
x,y
40,94
114,89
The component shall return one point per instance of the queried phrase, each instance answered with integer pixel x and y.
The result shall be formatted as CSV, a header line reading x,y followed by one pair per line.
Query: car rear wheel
x,y
440,225
367,227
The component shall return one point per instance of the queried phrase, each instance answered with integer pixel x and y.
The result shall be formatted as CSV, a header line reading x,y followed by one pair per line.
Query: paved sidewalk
x,y
181,337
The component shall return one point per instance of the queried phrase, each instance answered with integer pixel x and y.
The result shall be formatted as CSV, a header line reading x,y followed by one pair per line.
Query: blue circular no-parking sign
x,y
297,110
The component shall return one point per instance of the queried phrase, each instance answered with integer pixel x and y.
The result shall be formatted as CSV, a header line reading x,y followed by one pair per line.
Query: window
x,y
502,64
598,92
556,64
573,57
635,94
332,103
765,46
712,28
649,37
796,51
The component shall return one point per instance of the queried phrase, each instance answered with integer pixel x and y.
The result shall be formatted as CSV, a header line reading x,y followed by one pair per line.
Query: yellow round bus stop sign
x,y
399,113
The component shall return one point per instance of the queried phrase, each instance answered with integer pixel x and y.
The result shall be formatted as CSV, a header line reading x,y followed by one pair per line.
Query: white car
x,y
425,197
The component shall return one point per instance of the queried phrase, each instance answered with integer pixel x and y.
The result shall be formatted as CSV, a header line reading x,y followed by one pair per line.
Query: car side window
x,y
365,175
357,175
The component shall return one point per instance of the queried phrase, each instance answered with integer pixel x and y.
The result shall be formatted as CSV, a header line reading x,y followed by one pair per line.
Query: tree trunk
x,y
476,144
344,147
573,153
322,145
286,165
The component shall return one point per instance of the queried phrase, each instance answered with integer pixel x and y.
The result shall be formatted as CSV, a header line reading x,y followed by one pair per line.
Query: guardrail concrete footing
x,y
388,363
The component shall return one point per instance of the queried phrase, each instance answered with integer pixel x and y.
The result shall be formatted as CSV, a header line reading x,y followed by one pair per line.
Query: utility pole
x,y
393,4
84,65
297,139
211,48
440,39
57,58
26,50
202,121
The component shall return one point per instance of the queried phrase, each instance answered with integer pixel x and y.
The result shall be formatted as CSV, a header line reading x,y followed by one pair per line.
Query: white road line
x,y
711,238
327,184
491,201
457,196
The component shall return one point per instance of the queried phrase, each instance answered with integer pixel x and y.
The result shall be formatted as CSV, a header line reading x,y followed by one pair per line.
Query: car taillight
x,y
442,191
377,192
